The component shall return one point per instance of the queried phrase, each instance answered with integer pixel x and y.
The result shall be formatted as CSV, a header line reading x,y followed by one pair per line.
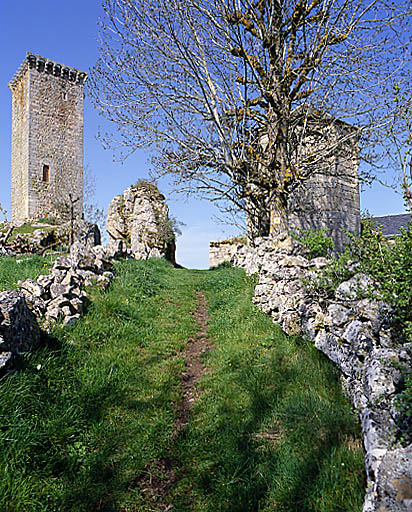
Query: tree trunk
x,y
279,216
257,218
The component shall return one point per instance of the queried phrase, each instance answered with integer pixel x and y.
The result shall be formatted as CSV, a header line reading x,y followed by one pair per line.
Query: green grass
x,y
83,423
272,431
21,267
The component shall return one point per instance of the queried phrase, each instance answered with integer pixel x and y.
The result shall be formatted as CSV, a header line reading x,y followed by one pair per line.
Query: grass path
x,y
132,409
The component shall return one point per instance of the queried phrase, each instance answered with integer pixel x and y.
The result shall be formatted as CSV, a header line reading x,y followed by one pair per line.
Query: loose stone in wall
x,y
19,331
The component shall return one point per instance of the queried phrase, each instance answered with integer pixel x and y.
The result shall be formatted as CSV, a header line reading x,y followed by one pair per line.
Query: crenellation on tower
x,y
47,139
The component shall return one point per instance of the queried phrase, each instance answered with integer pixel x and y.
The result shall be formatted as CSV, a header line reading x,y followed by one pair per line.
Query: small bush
x,y
323,286
317,241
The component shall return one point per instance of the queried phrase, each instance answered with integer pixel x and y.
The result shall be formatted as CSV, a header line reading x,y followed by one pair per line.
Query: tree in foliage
x,y
238,98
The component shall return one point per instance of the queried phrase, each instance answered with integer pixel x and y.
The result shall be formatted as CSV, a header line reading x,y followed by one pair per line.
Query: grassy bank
x,y
84,426
21,267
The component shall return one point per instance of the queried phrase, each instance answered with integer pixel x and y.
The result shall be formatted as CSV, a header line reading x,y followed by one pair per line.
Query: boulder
x,y
140,217
31,287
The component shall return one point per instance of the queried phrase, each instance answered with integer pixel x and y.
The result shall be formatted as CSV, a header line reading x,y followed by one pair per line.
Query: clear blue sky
x,y
66,31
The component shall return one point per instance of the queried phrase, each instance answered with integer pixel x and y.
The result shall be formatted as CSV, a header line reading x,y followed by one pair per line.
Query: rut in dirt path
x,y
161,474
195,349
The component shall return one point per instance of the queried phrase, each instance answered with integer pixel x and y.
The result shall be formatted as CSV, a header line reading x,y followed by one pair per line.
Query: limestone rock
x,y
45,281
19,331
394,482
6,360
87,233
58,289
70,320
116,249
31,287
141,217
318,263
82,257
360,284
337,315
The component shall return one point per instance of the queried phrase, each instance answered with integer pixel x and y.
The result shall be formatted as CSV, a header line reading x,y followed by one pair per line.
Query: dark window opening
x,y
64,96
46,173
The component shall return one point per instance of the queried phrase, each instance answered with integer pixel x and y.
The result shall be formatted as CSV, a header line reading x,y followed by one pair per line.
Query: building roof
x,y
391,224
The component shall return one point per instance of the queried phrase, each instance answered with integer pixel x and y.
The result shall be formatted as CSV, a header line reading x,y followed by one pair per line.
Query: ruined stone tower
x,y
47,140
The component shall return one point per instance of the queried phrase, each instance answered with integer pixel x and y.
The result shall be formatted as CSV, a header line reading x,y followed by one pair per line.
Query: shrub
x,y
325,283
317,241
388,262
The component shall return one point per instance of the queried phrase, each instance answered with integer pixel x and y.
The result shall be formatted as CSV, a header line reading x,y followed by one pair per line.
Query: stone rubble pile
x,y
61,294
355,333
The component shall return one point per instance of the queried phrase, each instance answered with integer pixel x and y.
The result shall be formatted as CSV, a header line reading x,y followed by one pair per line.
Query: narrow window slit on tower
x,y
64,96
46,173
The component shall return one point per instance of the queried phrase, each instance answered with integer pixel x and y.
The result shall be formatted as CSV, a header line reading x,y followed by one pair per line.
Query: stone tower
x,y
47,140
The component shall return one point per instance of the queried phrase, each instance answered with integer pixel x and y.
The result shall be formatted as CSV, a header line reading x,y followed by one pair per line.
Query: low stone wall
x,y
219,252
59,295
355,333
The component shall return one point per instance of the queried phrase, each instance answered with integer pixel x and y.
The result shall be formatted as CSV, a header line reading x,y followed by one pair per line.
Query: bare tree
x,y
399,155
91,211
4,213
238,98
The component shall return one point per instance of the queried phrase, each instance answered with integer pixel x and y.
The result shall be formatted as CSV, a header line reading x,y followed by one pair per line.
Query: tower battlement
x,y
47,139
49,67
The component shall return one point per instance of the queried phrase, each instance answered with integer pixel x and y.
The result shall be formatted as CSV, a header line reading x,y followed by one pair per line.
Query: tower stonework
x,y
330,198
47,140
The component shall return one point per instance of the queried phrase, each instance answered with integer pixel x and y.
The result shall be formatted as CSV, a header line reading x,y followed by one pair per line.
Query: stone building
x,y
330,197
47,140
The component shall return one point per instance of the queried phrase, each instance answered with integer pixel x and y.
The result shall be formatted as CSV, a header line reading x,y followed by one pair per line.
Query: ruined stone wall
x,y
219,252
358,335
49,133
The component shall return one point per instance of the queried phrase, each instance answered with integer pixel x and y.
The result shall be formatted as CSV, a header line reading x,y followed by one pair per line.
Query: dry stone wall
x,y
219,252
355,333
19,331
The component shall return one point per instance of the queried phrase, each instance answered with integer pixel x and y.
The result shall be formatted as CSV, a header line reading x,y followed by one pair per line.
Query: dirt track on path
x,y
161,475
